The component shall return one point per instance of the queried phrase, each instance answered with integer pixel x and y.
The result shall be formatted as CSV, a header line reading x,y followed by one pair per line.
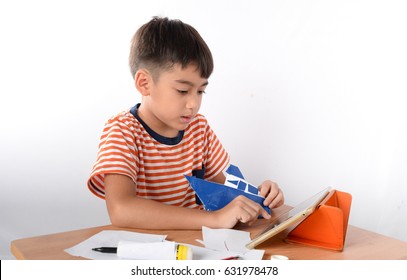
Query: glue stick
x,y
166,250
183,252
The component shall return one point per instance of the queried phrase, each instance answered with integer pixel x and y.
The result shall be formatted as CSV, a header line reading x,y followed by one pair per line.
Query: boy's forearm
x,y
148,214
127,210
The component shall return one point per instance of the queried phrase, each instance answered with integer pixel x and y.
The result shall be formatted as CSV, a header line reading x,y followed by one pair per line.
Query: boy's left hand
x,y
272,193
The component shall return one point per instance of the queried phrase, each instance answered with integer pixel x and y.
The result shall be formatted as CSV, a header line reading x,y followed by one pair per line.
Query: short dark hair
x,y
161,43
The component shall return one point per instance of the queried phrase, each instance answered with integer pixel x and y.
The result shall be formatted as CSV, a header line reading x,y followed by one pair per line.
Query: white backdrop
x,y
307,93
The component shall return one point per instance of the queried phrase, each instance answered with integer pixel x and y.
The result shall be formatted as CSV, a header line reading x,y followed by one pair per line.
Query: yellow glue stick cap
x,y
183,252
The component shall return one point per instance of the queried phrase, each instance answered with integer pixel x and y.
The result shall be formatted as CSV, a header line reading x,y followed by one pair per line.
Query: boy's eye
x,y
186,91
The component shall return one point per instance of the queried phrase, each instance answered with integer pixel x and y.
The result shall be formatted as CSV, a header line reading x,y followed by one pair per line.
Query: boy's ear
x,y
142,80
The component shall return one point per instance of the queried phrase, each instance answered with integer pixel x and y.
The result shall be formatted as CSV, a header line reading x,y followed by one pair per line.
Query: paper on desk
x,y
219,244
230,241
201,253
225,239
110,238
165,251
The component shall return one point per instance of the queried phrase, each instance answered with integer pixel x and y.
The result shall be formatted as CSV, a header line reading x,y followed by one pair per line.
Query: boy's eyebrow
x,y
190,83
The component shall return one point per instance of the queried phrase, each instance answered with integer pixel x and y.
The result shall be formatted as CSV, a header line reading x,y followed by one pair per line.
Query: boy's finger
x,y
264,213
272,196
277,201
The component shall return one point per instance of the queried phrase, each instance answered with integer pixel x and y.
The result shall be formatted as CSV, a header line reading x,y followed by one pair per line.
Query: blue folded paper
x,y
215,196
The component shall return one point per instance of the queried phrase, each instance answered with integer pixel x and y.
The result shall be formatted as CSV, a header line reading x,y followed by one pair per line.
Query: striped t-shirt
x,y
155,163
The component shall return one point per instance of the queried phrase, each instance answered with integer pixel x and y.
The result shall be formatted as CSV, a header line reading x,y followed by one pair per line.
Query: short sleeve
x,y
117,154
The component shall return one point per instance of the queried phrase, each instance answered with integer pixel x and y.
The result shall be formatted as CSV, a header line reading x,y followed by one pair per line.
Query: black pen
x,y
111,250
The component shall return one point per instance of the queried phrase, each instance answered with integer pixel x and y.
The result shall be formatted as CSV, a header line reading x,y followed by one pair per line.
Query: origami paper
x,y
215,196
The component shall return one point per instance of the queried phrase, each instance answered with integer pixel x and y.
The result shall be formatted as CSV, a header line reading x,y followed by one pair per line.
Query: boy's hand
x,y
241,209
272,193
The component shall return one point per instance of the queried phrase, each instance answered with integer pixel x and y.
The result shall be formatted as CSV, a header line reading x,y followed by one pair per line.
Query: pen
x,y
111,250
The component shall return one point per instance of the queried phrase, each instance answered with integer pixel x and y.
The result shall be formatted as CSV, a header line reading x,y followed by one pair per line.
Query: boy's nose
x,y
194,101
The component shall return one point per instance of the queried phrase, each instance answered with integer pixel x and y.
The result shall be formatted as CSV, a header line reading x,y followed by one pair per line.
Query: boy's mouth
x,y
186,119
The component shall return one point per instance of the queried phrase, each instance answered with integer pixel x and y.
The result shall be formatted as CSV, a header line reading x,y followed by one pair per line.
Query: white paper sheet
x,y
201,253
228,243
110,238
226,239
219,244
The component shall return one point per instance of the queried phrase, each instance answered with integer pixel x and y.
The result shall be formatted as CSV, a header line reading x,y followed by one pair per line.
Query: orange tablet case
x,y
326,226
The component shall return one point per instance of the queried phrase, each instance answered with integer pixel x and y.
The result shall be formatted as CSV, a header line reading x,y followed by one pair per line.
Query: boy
x,y
144,152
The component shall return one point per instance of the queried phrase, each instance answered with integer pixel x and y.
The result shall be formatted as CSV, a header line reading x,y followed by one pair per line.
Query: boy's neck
x,y
160,138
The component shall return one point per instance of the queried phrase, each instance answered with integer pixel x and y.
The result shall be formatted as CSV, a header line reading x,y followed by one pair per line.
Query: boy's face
x,y
172,100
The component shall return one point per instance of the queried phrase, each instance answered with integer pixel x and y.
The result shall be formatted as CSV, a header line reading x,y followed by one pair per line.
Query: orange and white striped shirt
x,y
155,163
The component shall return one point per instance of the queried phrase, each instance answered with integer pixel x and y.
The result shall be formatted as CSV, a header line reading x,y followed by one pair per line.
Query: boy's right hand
x,y
241,209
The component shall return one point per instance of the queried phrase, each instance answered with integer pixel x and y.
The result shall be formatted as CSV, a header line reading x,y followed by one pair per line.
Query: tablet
x,y
289,218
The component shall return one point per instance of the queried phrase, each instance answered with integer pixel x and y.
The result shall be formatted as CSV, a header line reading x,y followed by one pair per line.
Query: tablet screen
x,y
289,218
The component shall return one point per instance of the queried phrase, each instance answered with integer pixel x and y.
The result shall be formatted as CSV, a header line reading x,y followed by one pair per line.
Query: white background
x,y
307,93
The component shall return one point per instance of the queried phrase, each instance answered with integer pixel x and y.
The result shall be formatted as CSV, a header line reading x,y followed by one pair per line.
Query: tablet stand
x,y
326,226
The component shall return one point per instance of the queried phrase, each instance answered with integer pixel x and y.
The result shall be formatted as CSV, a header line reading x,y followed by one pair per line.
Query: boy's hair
x,y
161,43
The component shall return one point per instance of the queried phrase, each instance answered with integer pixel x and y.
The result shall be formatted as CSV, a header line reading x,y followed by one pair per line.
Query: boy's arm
x,y
220,178
127,210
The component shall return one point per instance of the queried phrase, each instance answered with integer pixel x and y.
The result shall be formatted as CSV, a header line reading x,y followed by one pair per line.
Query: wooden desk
x,y
360,244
